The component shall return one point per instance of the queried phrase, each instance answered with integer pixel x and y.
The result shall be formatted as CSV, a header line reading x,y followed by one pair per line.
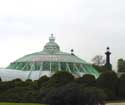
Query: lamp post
x,y
108,64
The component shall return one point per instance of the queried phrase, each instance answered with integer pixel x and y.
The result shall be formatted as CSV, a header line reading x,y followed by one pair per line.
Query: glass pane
x,y
63,66
78,67
12,66
20,65
26,66
37,66
54,66
46,65
71,67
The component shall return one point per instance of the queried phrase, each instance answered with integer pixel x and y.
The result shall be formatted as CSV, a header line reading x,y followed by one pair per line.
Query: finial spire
x,y
108,48
108,53
51,38
72,52
51,35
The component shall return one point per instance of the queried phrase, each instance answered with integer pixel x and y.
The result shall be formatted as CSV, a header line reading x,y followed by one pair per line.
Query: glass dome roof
x,y
52,59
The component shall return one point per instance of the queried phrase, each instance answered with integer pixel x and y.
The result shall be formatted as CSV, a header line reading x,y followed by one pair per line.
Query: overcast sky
x,y
87,26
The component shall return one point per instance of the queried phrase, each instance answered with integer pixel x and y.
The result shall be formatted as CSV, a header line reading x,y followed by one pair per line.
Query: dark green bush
x,y
108,81
121,88
87,79
73,94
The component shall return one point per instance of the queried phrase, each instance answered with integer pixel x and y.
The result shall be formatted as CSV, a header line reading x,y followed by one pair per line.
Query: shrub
x,y
121,89
72,94
87,79
58,79
109,82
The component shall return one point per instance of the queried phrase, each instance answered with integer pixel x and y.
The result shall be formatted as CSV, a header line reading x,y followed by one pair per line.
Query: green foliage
x,y
121,89
42,80
13,94
5,86
108,81
100,69
58,79
65,95
95,95
121,65
87,79
63,89
73,94
20,94
32,96
63,76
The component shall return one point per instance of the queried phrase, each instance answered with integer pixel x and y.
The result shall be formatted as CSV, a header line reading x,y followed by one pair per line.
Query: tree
x,y
87,79
98,60
109,82
121,89
95,95
42,80
65,95
100,69
60,78
121,65
73,94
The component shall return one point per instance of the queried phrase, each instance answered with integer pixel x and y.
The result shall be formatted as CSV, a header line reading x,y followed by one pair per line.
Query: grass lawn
x,y
115,104
18,104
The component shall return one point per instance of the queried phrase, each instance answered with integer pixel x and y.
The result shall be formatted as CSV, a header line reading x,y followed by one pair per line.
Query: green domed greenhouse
x,y
49,61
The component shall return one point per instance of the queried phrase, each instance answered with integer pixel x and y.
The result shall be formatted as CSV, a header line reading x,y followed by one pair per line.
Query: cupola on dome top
x,y
51,47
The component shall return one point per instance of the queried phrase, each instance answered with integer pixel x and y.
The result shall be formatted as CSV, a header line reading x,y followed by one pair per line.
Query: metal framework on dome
x,y
52,59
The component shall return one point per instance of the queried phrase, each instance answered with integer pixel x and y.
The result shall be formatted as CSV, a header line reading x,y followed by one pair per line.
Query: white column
x,y
24,66
50,67
83,68
74,65
68,68
59,66
41,69
31,69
